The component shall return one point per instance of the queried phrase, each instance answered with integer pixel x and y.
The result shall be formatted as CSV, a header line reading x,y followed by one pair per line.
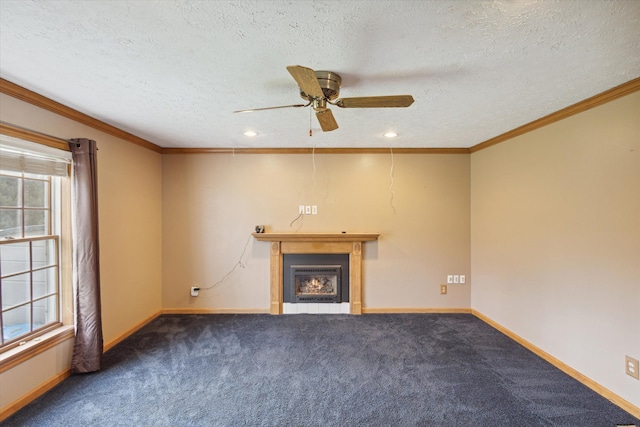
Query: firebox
x,y
316,278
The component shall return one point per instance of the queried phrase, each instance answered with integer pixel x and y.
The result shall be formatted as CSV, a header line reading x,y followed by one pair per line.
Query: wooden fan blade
x,y
327,122
251,110
307,80
376,101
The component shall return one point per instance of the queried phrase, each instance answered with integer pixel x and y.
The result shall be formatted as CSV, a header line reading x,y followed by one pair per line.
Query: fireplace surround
x,y
316,243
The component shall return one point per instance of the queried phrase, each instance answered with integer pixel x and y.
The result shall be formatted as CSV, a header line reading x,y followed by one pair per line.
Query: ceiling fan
x,y
320,88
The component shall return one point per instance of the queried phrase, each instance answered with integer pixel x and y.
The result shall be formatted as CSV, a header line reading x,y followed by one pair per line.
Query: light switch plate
x,y
456,278
450,278
463,279
631,367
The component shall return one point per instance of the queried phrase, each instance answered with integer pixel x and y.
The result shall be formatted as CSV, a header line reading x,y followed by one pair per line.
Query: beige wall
x,y
548,223
555,240
129,197
212,202
130,193
22,379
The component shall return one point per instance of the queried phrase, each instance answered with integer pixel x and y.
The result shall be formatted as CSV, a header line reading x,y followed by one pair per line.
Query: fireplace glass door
x,y
316,278
316,283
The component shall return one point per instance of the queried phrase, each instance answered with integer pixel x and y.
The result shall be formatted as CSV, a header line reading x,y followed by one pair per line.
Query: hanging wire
x,y
299,217
238,264
313,161
391,182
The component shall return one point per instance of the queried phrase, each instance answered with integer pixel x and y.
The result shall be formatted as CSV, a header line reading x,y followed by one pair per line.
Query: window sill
x,y
32,348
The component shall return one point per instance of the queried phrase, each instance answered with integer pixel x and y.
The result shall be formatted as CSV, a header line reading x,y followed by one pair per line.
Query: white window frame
x,y
59,231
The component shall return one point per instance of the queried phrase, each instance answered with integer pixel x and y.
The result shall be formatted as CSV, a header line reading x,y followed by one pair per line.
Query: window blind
x,y
22,156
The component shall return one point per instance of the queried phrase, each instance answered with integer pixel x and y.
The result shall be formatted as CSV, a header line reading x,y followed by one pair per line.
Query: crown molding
x,y
595,101
43,102
321,150
38,100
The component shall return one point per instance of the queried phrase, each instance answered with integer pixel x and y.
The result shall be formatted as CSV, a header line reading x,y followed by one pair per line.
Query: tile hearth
x,y
316,308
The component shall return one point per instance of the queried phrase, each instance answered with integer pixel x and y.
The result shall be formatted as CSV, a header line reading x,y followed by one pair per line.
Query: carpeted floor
x,y
321,370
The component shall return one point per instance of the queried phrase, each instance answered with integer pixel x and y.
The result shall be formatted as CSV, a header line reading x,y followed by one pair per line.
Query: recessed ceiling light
x,y
390,134
250,133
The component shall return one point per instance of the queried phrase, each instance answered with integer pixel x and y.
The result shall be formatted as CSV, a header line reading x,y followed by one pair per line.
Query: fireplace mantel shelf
x,y
318,243
316,237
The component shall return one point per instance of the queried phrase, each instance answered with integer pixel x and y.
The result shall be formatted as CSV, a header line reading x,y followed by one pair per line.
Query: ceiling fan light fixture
x,y
319,88
390,134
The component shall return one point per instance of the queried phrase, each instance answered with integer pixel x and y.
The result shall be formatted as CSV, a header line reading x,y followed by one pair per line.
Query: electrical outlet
x,y
443,289
450,278
301,210
314,210
195,290
631,367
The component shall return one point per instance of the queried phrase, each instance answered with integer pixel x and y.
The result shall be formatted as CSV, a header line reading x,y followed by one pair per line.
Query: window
x,y
25,205
30,244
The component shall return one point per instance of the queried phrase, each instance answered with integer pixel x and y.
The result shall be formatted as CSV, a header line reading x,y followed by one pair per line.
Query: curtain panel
x,y
87,350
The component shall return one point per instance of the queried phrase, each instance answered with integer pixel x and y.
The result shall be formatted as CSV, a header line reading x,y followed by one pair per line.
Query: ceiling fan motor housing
x,y
330,83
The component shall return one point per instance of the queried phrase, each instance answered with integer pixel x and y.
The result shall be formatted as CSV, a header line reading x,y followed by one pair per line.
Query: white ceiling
x,y
173,71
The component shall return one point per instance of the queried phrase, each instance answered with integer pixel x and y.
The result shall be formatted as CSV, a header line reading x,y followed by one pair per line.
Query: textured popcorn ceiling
x,y
172,72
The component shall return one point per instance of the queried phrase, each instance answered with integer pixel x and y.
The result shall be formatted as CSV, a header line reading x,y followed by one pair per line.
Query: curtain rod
x,y
21,132
33,131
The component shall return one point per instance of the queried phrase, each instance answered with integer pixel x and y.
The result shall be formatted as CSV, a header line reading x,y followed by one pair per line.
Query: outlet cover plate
x,y
443,289
631,367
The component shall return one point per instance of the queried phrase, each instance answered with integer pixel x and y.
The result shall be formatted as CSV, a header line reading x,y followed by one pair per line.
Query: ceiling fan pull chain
x,y
310,131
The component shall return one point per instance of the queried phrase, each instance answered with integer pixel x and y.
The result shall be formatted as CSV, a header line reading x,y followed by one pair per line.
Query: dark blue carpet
x,y
321,370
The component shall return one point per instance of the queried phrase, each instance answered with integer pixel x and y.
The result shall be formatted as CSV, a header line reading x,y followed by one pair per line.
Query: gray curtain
x,y
87,350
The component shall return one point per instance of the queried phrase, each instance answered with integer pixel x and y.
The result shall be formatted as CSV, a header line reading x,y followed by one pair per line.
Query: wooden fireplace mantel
x,y
316,243
316,237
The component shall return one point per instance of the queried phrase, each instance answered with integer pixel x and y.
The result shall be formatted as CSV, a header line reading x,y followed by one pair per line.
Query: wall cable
x,y
299,217
313,161
238,264
391,182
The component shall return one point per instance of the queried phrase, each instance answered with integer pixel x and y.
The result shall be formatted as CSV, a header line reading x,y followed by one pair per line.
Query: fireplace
x,y
316,278
311,283
282,244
